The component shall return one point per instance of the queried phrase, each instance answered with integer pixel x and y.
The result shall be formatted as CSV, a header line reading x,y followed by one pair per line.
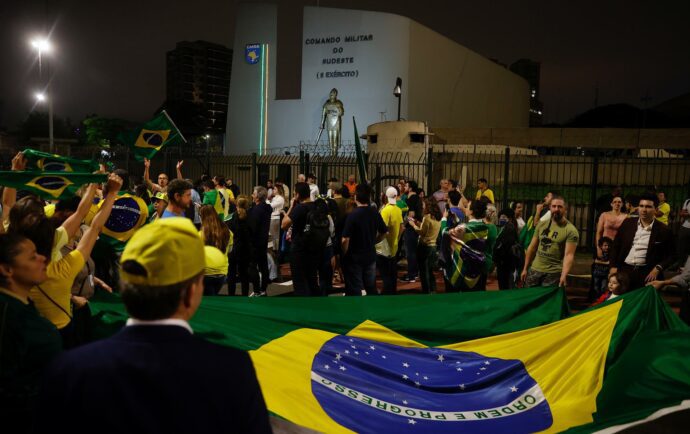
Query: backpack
x,y
318,227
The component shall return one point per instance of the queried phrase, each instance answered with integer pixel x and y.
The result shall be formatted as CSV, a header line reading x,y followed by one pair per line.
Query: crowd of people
x,y
163,245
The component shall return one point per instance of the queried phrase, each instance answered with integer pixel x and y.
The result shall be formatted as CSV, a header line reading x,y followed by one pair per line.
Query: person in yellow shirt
x,y
53,297
664,209
387,248
484,190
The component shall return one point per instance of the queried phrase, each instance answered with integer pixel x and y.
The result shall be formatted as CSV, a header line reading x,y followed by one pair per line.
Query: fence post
x,y
506,175
377,184
429,170
254,171
307,168
301,161
323,178
591,224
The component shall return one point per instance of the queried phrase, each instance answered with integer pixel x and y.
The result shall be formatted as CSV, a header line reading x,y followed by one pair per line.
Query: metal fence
x,y
512,175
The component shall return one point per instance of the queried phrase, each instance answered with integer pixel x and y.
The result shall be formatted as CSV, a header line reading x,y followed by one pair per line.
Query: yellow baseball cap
x,y
161,196
170,251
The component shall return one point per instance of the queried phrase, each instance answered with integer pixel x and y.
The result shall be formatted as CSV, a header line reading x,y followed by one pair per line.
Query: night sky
x,y
109,56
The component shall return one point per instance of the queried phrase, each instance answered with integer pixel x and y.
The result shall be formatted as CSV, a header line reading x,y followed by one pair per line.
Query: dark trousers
x,y
303,266
213,284
260,280
637,275
505,272
426,255
389,273
239,265
107,264
358,277
411,240
326,271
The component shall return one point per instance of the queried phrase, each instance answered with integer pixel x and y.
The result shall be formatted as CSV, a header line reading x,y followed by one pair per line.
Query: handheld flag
x,y
49,185
478,362
151,137
360,156
45,162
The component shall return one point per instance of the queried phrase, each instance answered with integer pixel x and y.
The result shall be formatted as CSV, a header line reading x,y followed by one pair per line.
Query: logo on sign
x,y
252,53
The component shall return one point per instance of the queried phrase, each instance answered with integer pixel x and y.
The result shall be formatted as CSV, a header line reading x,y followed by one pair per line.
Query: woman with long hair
x,y
242,251
427,254
216,237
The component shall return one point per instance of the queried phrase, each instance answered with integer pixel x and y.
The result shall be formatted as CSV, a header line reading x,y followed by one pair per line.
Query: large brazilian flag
x,y
508,361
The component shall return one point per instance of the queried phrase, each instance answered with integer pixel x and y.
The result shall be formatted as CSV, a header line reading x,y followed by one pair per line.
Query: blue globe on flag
x,y
368,386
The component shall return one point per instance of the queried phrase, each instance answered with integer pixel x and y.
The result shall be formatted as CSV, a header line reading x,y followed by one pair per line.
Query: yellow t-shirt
x,y
61,239
392,217
52,299
665,208
488,193
216,261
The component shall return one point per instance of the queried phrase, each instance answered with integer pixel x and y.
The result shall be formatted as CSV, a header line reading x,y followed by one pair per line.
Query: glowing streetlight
x,y
42,45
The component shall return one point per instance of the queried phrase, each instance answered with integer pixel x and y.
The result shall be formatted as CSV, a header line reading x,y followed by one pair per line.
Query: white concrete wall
x,y
443,82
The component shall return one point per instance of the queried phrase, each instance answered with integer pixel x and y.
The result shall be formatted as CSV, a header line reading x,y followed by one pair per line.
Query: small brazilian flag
x,y
45,162
150,138
477,362
49,185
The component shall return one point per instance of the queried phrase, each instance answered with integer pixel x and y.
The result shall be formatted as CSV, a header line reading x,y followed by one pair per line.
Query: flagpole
x,y
173,122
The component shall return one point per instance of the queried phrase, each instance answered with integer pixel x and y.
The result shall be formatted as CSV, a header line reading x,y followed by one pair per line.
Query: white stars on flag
x,y
482,369
405,401
371,347
405,377
338,357
459,369
405,364
343,368
411,421
487,363
326,367
513,389
441,358
462,387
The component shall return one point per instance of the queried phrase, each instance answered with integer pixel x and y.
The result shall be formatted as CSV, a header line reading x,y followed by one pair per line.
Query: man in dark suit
x,y
155,376
643,247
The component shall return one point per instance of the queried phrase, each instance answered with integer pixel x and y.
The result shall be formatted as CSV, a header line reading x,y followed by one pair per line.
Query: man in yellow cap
x,y
155,375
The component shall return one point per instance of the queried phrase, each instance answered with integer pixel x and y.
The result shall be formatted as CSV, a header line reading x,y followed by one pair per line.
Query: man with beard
x,y
554,243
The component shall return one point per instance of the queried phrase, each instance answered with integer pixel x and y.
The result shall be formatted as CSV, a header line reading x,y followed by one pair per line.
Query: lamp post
x,y
43,46
397,91
208,154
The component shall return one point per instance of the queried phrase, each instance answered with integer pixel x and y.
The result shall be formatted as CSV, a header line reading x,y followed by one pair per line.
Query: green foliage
x,y
100,131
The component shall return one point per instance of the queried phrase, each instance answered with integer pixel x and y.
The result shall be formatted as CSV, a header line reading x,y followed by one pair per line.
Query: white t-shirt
x,y
313,191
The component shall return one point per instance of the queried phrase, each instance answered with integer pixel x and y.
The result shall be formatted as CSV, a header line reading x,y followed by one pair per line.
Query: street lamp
x,y
208,153
42,45
397,91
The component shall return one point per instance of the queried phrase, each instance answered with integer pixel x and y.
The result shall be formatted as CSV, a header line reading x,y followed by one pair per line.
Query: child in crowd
x,y
618,284
600,269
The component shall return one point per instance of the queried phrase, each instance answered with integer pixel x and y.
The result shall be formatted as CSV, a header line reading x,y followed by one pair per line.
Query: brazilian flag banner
x,y
151,137
484,362
45,162
49,185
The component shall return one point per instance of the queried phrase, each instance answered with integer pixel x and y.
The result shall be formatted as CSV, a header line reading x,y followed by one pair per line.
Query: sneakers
x,y
258,294
408,279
